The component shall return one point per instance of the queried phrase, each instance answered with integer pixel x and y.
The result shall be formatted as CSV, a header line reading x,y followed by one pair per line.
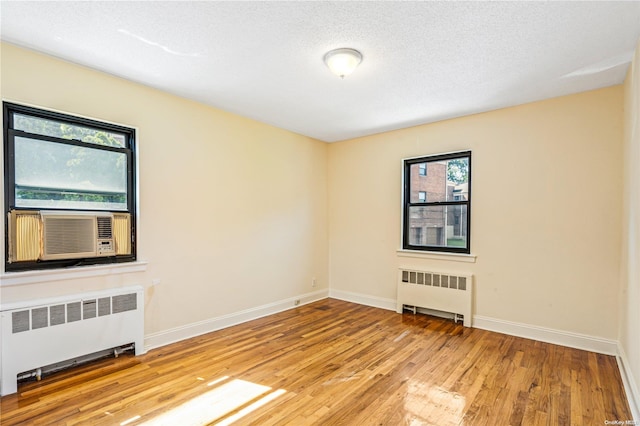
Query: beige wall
x,y
545,216
630,294
233,213
547,203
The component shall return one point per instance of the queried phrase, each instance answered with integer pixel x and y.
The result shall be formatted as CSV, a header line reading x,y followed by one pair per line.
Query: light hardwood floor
x,y
334,363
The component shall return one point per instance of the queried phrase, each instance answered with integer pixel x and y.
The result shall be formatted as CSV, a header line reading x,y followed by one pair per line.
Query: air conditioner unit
x,y
58,235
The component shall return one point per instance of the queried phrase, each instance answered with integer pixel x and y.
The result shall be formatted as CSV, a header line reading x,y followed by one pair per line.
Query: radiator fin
x,y
437,280
104,306
39,318
20,321
74,312
453,282
56,315
124,302
88,309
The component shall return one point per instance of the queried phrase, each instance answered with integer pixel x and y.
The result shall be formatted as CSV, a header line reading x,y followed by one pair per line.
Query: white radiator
x,y
39,333
446,292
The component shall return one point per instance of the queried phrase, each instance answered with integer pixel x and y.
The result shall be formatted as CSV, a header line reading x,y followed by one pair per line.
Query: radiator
x,y
446,292
42,332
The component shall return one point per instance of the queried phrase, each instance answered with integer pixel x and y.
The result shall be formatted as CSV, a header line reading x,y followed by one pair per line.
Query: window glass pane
x,y
63,130
441,226
443,181
53,175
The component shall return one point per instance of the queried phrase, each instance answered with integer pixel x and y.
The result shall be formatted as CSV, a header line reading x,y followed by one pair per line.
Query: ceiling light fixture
x,y
343,61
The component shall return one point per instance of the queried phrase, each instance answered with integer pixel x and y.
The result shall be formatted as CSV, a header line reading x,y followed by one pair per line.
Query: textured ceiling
x,y
423,61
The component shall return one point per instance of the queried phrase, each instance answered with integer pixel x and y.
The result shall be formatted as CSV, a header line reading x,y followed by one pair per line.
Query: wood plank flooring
x,y
333,363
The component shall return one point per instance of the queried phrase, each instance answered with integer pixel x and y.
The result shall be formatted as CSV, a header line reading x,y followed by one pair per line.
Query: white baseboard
x,y
630,385
364,299
155,340
548,335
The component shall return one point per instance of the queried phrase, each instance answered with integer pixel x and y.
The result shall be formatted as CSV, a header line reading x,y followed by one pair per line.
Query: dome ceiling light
x,y
342,61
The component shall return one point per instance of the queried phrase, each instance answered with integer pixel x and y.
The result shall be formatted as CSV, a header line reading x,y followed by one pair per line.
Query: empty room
x,y
320,213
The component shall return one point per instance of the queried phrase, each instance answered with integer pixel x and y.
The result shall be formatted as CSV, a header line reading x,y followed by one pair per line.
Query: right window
x,y
437,203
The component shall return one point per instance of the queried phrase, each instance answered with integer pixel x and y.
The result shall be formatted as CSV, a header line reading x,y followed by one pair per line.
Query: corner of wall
x,y
629,295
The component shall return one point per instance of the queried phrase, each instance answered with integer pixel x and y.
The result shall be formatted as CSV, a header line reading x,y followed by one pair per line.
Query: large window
x,y
57,162
437,203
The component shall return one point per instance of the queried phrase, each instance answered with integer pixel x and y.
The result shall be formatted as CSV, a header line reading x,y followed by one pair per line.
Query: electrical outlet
x,y
155,281
313,282
296,302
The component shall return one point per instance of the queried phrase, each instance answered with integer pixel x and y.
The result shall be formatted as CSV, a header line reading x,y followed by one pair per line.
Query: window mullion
x,y
74,142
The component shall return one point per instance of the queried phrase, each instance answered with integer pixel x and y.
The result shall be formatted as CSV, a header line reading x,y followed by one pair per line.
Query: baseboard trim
x,y
548,335
156,340
364,299
630,385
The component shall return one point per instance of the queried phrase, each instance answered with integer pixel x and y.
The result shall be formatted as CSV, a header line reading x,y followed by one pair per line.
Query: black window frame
x,y
407,204
10,133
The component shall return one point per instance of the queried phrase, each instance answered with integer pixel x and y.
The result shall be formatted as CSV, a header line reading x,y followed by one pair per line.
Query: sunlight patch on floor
x,y
131,420
218,403
252,407
428,404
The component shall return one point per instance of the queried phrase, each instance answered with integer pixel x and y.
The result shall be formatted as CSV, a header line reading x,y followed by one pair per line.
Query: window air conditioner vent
x,y
68,236
105,227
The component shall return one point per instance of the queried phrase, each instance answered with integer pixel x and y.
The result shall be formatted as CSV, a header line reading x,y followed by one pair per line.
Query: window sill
x,y
452,257
36,277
